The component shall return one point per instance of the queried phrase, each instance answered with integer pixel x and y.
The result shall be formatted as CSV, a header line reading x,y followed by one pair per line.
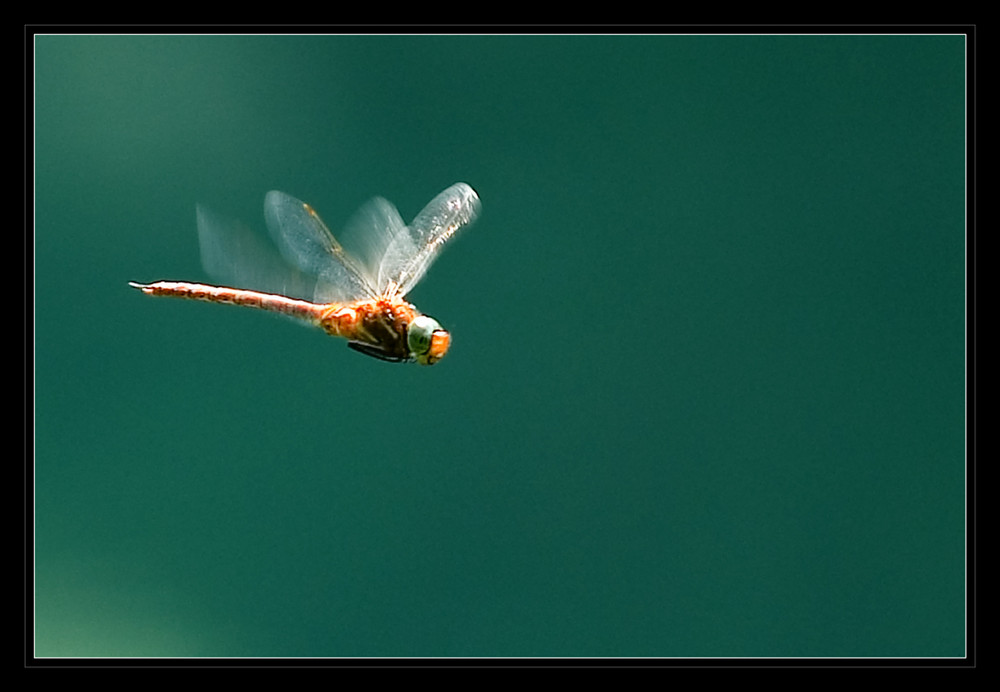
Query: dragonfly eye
x,y
418,337
427,341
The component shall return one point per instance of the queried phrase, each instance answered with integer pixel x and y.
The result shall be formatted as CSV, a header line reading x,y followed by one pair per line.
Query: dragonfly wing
x,y
305,241
236,256
369,234
411,250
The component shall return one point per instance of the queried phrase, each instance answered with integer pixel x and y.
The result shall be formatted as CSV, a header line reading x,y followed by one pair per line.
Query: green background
x,y
706,389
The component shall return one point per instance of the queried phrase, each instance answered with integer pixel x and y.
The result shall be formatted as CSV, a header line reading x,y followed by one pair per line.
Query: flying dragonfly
x,y
358,296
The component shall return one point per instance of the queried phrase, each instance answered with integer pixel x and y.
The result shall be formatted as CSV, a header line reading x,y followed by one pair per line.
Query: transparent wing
x,y
370,232
236,256
409,251
305,241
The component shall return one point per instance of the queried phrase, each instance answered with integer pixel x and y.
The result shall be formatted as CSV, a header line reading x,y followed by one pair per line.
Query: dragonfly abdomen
x,y
299,309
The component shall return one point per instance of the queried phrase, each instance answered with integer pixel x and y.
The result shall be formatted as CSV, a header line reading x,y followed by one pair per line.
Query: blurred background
x,y
706,389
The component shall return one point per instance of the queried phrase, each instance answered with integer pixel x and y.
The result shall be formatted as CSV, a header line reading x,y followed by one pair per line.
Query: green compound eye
x,y
420,333
427,341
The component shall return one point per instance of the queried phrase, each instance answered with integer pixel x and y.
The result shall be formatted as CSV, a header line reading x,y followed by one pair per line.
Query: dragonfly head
x,y
427,341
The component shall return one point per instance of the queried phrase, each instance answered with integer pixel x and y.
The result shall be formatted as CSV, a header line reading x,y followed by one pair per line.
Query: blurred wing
x,y
370,232
411,250
305,241
235,256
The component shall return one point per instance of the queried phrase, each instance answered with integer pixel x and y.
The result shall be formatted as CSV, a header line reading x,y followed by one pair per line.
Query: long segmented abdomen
x,y
335,319
299,309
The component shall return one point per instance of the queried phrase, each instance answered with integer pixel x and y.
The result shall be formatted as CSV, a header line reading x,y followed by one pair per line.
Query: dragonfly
x,y
357,295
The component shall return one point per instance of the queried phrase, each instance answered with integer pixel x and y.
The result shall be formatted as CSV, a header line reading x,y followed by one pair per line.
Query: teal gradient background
x,y
706,389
